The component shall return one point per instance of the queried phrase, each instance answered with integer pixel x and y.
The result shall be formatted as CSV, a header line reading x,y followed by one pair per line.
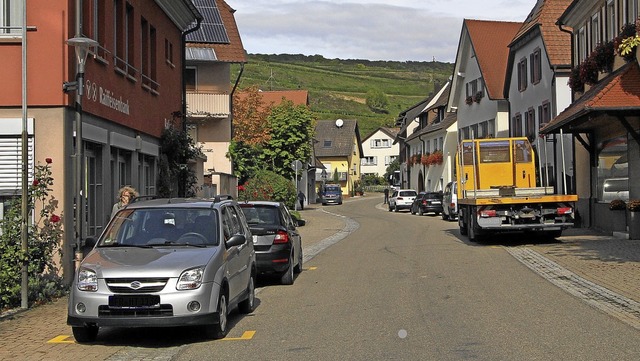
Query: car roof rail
x,y
143,198
222,197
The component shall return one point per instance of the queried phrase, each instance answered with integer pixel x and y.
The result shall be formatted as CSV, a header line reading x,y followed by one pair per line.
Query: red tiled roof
x,y
490,40
619,92
558,43
233,52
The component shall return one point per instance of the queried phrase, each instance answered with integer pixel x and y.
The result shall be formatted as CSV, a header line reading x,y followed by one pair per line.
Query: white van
x,y
450,202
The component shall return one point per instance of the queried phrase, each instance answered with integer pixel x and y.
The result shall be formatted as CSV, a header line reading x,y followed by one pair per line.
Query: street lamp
x,y
82,46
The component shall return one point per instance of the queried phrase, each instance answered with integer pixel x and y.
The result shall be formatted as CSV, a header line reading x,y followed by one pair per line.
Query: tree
x,y
377,101
391,169
250,124
290,139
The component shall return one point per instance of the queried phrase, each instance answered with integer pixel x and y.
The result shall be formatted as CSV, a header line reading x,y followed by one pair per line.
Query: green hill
x,y
338,88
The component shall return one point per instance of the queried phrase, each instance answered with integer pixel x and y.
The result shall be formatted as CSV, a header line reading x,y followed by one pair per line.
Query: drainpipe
x,y
183,53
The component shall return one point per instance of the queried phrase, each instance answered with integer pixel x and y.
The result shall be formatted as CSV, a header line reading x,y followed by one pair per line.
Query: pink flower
x,y
54,218
48,160
241,187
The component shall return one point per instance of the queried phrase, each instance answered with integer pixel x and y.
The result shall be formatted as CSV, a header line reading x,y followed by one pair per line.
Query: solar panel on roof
x,y
212,28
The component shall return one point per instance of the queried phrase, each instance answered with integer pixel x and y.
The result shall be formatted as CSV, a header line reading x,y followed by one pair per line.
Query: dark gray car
x,y
277,242
164,263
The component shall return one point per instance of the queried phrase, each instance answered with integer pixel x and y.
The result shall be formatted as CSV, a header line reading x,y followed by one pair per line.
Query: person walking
x,y
125,195
301,198
386,195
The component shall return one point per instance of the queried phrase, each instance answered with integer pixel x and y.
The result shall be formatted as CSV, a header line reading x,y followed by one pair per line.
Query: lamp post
x,y
82,46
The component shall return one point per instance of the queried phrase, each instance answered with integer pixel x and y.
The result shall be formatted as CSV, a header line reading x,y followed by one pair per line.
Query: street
x,y
383,285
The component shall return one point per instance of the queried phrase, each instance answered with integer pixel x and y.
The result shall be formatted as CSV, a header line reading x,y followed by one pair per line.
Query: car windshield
x,y
159,227
261,214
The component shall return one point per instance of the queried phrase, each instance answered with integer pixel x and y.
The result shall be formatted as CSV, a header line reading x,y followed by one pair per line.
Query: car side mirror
x,y
88,245
236,240
300,222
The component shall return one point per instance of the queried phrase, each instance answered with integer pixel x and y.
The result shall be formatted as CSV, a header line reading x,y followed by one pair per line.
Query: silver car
x,y
159,263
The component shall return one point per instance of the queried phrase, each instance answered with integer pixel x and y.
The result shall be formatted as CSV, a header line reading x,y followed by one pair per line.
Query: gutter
x,y
183,45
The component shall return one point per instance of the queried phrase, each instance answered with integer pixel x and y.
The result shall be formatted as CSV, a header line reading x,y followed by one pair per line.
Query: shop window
x,y
613,173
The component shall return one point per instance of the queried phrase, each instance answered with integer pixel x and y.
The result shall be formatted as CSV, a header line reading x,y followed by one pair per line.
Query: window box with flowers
x,y
604,55
425,159
575,82
435,158
478,96
633,218
469,100
627,42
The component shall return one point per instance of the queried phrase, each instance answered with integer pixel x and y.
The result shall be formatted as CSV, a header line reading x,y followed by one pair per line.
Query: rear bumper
x,y
273,261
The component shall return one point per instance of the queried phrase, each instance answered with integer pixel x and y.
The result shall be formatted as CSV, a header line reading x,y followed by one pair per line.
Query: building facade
x,y
131,92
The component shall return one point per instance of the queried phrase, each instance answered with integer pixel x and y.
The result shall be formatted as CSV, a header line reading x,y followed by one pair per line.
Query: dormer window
x,y
327,143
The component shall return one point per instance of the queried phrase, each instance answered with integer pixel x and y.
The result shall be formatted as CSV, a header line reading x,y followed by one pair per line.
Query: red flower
x,y
36,182
54,218
48,160
241,187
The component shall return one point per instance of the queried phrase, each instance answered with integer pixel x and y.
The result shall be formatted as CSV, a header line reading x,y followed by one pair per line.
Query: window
x,y
94,24
612,24
522,74
118,29
516,127
493,152
530,123
536,66
147,174
544,111
472,88
595,31
631,11
369,161
129,38
327,143
427,147
483,130
380,143
613,173
388,159
96,216
190,76
581,49
148,58
10,15
168,52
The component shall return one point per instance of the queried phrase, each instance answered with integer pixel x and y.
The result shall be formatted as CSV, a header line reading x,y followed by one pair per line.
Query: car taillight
x,y
281,237
564,210
488,213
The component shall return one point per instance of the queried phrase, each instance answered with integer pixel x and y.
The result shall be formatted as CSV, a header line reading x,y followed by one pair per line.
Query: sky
x,y
397,30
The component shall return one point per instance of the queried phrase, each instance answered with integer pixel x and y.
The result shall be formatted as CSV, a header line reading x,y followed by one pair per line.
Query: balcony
x,y
207,105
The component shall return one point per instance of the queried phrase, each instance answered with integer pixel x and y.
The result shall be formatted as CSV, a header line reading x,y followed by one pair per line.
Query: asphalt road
x,y
403,287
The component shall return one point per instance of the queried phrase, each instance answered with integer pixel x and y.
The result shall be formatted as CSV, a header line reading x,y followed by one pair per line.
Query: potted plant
x,y
477,97
633,206
575,82
589,71
604,55
618,215
469,100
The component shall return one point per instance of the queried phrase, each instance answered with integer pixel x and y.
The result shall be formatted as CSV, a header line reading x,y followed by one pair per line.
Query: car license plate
x,y
134,301
436,202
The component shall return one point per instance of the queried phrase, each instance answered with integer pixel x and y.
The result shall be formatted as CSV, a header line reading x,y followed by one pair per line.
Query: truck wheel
x,y
473,230
462,225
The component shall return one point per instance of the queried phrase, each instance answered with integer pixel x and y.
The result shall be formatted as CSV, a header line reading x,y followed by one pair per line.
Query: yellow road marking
x,y
247,335
61,339
312,268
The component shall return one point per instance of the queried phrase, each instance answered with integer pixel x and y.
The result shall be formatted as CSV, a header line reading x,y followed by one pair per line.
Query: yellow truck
x,y
498,191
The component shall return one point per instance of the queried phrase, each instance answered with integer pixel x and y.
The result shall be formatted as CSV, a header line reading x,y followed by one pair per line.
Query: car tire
x,y
287,277
390,208
298,268
84,334
445,217
249,304
219,330
395,208
420,212
412,211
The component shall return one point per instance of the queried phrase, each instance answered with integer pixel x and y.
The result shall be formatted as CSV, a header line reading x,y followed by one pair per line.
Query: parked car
x,y
166,263
277,242
427,202
450,201
331,193
401,199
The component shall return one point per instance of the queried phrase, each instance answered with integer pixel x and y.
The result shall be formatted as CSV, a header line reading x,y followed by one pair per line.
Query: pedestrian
x,y
125,195
386,195
301,198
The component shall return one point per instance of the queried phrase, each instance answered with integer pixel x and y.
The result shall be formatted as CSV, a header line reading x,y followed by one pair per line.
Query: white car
x,y
450,202
402,199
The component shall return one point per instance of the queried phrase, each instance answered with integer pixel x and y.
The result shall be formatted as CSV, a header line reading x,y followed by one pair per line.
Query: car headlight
x,y
190,279
87,280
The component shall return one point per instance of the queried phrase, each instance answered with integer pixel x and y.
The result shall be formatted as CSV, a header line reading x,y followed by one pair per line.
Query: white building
x,y
379,151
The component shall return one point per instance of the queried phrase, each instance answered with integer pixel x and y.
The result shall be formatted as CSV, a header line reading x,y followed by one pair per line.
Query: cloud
x,y
364,29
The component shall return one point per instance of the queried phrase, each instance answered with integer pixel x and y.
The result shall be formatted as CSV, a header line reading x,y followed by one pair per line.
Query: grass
x,y
338,88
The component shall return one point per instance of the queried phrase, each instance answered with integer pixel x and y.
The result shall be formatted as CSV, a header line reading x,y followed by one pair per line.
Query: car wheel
x,y
390,208
219,330
249,304
287,277
84,334
412,210
395,208
298,268
445,217
420,212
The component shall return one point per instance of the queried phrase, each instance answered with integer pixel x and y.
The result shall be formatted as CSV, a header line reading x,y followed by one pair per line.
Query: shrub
x,y
44,234
589,71
266,185
604,54
575,82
